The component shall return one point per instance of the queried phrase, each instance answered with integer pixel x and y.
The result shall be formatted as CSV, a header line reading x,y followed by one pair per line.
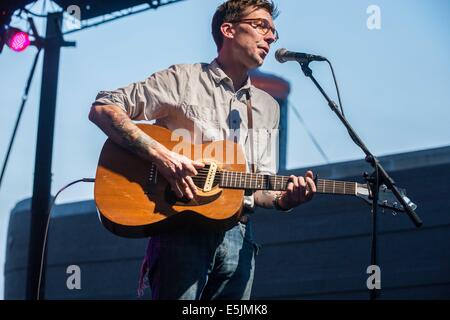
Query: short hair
x,y
233,10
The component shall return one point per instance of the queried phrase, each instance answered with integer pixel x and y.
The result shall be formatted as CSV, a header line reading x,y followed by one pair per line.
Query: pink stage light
x,y
18,40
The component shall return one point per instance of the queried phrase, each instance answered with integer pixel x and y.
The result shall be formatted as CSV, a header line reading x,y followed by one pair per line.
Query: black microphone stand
x,y
378,177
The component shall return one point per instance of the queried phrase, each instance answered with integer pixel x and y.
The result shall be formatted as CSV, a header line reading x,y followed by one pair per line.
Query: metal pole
x,y
44,151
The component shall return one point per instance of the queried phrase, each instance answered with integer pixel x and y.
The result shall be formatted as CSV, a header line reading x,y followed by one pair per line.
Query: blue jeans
x,y
193,265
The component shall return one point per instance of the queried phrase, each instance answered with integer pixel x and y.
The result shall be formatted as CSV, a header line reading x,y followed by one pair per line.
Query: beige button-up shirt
x,y
201,98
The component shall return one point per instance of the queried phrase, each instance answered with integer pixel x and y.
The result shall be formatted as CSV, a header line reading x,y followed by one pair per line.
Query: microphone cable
x,y
44,244
340,103
337,87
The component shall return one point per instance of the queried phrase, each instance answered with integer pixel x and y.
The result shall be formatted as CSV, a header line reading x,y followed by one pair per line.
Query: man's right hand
x,y
177,169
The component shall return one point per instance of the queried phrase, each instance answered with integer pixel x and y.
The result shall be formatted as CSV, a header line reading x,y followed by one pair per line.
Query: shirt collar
x,y
219,75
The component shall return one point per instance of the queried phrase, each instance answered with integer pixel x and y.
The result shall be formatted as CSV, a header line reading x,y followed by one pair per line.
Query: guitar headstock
x,y
386,198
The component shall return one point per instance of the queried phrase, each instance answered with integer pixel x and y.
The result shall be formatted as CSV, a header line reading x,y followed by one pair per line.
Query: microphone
x,y
282,56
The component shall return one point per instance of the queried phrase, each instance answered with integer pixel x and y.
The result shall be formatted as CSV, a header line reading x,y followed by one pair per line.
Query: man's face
x,y
250,45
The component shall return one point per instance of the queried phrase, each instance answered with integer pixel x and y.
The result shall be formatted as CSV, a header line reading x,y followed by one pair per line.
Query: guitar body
x,y
134,201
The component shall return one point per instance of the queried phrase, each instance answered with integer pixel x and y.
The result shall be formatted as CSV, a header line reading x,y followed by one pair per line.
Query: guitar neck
x,y
254,181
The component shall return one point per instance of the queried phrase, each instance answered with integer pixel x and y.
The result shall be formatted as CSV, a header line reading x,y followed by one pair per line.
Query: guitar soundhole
x,y
200,178
171,197
199,181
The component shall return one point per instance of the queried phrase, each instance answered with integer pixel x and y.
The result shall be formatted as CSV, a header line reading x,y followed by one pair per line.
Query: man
x,y
213,99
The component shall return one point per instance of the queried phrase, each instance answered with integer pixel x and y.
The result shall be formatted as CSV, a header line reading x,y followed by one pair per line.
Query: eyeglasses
x,y
261,25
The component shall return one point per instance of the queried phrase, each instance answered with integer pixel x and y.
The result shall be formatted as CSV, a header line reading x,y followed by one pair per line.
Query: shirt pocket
x,y
204,117
197,112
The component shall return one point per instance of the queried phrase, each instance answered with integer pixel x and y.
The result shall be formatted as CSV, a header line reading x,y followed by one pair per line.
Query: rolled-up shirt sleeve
x,y
149,99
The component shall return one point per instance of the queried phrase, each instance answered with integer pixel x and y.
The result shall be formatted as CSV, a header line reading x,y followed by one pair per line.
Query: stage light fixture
x,y
17,39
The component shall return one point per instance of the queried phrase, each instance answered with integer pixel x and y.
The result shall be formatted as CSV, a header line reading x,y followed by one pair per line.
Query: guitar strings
x,y
232,174
249,178
323,185
323,188
235,175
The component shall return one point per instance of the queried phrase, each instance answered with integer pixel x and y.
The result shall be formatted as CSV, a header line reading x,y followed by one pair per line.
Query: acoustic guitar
x,y
134,201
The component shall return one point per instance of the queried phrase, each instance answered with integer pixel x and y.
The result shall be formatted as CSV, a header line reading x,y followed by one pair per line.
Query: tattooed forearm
x,y
118,127
132,138
264,198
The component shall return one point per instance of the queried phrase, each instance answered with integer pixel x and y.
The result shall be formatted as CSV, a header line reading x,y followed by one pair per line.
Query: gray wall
x,y
319,251
109,264
323,250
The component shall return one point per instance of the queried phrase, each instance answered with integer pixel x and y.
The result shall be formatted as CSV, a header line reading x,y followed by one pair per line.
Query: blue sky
x,y
394,83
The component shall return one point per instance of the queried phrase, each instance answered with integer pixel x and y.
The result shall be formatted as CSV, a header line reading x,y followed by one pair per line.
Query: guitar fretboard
x,y
242,180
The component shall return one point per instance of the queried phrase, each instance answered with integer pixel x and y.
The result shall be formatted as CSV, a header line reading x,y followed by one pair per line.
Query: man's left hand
x,y
299,190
